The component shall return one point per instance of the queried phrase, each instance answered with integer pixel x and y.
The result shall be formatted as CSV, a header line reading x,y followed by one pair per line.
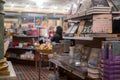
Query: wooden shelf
x,y
85,16
78,17
26,36
113,39
20,59
90,37
103,35
79,38
88,15
22,48
116,12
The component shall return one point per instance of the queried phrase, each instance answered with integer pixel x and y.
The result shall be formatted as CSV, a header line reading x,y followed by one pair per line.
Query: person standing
x,y
58,35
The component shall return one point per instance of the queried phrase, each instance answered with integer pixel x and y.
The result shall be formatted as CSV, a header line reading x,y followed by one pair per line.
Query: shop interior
x,y
59,40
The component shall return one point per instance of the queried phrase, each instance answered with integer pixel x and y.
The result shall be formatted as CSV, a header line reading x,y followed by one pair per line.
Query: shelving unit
x,y
92,39
26,36
79,38
90,15
21,48
17,51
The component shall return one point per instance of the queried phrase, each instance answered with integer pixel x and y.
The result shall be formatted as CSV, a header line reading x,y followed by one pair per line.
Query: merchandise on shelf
x,y
72,30
27,56
110,50
110,63
81,26
110,70
44,46
94,63
87,27
21,45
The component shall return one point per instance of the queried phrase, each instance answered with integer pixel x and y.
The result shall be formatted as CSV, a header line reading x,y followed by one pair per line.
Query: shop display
x,y
87,27
21,45
94,58
74,29
76,54
94,63
81,26
69,30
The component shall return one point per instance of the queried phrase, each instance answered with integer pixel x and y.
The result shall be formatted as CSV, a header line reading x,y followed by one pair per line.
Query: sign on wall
x,y
38,21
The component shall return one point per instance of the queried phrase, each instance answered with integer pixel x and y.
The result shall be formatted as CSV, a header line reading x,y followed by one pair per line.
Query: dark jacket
x,y
58,35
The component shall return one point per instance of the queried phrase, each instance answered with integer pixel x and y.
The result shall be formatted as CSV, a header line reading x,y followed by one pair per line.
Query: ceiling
x,y
38,6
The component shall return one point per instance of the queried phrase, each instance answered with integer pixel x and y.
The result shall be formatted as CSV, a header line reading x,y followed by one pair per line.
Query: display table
x,y
12,75
78,71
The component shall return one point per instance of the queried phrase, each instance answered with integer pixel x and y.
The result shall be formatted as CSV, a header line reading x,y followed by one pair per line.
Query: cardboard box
x,y
102,23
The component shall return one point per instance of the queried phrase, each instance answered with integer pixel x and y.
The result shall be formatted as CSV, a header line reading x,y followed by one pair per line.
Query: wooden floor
x,y
27,72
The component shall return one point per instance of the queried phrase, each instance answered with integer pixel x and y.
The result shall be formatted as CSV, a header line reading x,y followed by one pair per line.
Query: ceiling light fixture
x,y
55,7
38,2
12,5
27,6
41,7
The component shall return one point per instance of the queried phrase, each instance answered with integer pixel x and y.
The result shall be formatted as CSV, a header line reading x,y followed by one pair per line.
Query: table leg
x,y
36,65
39,67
